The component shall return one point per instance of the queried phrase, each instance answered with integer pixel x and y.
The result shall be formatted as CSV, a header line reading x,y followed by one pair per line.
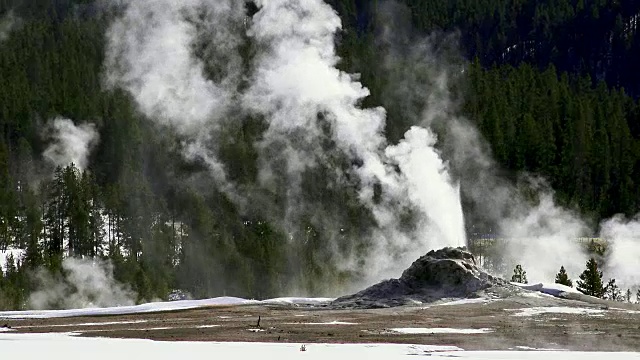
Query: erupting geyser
x,y
295,86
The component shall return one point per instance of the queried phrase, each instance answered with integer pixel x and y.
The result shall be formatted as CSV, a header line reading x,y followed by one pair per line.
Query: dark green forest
x,y
553,87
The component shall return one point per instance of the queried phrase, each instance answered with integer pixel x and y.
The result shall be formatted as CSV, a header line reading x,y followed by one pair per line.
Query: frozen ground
x,y
532,311
546,288
32,346
160,306
545,322
495,325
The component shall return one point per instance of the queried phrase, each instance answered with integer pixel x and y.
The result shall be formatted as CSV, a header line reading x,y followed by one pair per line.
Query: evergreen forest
x,y
553,87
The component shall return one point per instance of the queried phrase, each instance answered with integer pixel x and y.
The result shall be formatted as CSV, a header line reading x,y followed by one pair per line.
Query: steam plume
x,y
296,82
623,251
152,53
86,283
71,143
540,235
155,51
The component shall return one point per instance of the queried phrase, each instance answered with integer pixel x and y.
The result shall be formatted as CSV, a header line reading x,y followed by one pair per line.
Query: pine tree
x,y
612,291
638,296
628,297
519,275
590,282
562,278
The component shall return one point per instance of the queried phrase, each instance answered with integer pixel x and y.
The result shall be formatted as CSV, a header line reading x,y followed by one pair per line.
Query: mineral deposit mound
x,y
445,273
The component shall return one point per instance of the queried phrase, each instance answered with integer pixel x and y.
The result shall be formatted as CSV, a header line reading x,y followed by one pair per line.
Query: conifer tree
x,y
590,282
519,275
612,291
562,278
628,297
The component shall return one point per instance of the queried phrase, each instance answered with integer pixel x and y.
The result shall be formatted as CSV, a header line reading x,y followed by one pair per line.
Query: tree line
x,y
590,283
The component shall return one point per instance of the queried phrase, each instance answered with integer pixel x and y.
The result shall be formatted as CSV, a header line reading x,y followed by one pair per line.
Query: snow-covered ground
x,y
159,306
467,301
106,323
546,288
532,311
335,322
33,346
440,331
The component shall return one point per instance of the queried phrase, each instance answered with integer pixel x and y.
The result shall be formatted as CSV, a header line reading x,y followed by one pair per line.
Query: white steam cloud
x,y
296,79
155,52
624,250
71,143
540,235
152,53
85,284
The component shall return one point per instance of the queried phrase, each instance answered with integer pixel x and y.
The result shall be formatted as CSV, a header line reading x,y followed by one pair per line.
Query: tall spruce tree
x,y
590,282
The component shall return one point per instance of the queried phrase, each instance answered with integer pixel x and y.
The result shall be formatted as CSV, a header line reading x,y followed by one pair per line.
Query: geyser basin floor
x,y
616,330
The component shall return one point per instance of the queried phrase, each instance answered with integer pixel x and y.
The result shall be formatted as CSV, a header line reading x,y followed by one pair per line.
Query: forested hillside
x,y
550,84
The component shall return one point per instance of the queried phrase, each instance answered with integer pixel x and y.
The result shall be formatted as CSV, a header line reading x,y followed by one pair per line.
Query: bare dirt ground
x,y
615,326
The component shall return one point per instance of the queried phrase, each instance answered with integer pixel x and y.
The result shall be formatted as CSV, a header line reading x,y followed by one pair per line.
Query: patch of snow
x,y
324,323
6,329
158,306
536,349
121,310
255,330
86,324
547,288
152,328
534,295
533,311
415,331
467,301
297,301
626,311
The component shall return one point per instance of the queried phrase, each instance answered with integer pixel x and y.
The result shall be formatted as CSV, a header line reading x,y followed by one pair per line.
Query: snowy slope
x,y
159,306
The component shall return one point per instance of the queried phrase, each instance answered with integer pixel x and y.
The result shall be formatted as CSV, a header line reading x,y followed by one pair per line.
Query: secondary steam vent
x,y
445,273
